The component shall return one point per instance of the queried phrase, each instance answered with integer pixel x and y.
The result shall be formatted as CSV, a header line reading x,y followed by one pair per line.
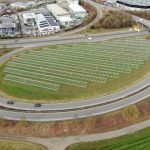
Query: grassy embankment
x,y
136,141
111,21
17,145
4,51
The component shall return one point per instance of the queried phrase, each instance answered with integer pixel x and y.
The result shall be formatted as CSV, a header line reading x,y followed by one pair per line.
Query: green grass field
x,y
136,141
17,145
77,71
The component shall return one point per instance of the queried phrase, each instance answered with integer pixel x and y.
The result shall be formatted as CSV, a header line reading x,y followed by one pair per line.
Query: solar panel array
x,y
78,64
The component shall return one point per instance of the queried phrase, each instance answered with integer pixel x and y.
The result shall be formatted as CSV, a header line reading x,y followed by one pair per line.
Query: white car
x,y
90,38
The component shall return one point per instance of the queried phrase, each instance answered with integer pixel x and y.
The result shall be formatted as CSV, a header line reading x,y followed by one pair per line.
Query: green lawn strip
x,y
101,30
17,145
137,141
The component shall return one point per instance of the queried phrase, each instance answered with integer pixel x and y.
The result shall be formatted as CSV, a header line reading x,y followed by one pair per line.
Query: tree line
x,y
114,19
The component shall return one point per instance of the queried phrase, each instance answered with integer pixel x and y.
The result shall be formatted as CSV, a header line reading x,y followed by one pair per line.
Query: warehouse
x,y
43,24
134,4
60,14
52,22
77,10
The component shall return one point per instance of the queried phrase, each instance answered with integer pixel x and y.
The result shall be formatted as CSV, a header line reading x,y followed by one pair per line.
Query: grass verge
x,y
136,141
17,145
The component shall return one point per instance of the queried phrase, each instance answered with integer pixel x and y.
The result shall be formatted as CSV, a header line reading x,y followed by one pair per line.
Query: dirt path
x,y
60,143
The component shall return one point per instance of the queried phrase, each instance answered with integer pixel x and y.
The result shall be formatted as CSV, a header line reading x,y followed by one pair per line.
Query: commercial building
x,y
46,23
22,4
60,14
134,4
9,25
77,10
42,24
52,22
29,18
66,3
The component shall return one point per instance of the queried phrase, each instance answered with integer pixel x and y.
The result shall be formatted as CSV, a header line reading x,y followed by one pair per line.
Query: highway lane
x,y
27,44
58,116
68,39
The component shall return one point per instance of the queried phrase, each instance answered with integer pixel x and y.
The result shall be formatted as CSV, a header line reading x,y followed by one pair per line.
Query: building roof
x,y
7,25
51,20
57,10
40,17
65,19
29,15
76,8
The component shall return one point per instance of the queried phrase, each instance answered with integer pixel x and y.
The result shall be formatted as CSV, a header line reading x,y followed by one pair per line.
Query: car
x,y
37,105
90,38
10,102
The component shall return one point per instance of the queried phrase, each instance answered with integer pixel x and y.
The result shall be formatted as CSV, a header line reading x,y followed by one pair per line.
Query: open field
x,y
136,141
17,145
76,71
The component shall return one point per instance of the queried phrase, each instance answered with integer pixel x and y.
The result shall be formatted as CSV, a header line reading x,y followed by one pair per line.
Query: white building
x,y
43,24
60,14
18,5
66,3
77,10
46,24
28,18
22,4
52,22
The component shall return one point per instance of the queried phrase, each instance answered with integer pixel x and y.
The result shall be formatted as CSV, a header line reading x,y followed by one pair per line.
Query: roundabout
x,y
72,110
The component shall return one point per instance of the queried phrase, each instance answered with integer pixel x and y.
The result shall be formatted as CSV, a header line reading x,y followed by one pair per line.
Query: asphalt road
x,y
83,113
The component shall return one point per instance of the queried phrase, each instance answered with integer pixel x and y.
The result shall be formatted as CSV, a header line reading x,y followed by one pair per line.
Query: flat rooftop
x,y
76,8
57,10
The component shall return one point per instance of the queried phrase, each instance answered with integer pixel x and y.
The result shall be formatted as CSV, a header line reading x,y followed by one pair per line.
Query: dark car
x,y
10,102
37,105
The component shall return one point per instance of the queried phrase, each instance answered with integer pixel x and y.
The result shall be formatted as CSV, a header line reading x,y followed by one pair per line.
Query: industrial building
x,y
22,4
134,4
53,23
66,3
60,14
42,24
9,25
77,10
29,18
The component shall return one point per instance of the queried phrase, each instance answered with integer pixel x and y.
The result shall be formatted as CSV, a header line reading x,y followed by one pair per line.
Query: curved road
x,y
83,113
